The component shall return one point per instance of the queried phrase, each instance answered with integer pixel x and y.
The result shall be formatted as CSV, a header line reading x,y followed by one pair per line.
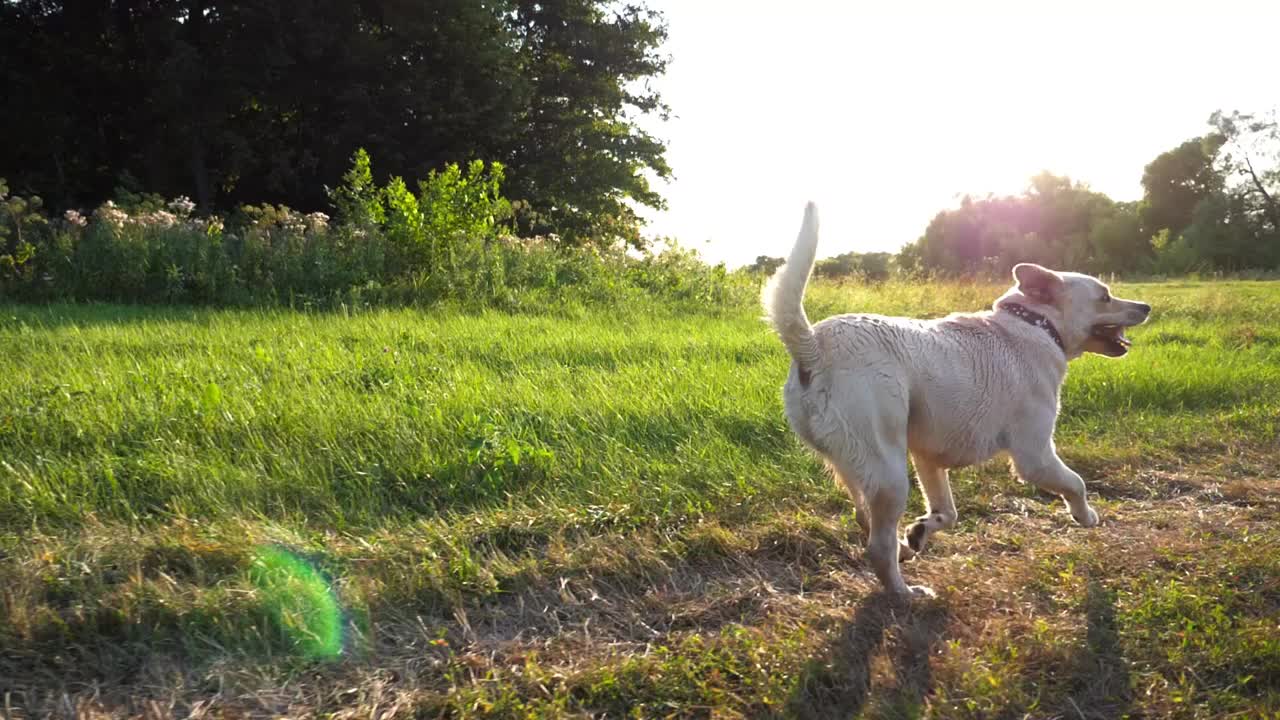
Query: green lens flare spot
x,y
301,601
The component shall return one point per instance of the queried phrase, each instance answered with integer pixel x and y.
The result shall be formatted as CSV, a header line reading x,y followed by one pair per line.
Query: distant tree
x,y
869,266
1178,180
1251,153
1118,240
876,265
766,265
1220,236
1052,223
1211,202
908,261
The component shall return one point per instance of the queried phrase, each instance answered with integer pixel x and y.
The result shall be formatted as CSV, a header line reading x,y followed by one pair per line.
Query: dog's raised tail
x,y
783,298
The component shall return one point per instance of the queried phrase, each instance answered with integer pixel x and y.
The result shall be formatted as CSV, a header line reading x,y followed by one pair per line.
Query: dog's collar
x,y
1035,318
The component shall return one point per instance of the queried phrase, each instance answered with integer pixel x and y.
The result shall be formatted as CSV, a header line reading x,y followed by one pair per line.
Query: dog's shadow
x,y
837,682
1100,687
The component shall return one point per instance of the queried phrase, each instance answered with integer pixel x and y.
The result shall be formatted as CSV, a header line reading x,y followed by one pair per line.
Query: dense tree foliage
x,y
1177,181
1050,224
231,101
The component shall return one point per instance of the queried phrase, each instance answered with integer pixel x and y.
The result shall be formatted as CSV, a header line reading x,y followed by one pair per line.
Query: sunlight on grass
x,y
614,506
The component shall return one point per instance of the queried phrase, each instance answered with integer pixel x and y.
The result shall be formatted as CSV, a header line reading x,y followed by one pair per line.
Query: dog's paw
x,y
921,591
1090,519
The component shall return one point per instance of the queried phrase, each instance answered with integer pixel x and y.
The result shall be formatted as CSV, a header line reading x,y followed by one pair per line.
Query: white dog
x,y
864,390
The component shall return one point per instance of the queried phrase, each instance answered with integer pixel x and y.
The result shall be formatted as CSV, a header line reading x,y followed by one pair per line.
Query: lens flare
x,y
301,600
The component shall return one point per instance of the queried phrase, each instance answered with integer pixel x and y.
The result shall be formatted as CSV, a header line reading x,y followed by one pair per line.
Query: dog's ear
x,y
1038,283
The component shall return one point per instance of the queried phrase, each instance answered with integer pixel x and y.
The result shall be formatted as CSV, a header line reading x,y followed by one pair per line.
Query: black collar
x,y
1036,319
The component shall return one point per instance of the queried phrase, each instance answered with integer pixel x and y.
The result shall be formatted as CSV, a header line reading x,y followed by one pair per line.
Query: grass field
x,y
397,513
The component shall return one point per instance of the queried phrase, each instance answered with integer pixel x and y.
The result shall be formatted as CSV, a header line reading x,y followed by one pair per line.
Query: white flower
x,y
182,205
75,218
108,213
318,222
159,218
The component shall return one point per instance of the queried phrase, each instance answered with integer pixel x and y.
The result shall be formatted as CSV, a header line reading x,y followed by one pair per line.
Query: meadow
x,y
600,512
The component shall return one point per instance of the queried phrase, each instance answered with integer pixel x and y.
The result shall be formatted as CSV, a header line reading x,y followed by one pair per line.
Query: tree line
x,y
251,101
237,103
1210,204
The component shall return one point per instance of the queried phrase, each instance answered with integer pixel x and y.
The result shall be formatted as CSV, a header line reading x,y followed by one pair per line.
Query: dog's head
x,y
1087,316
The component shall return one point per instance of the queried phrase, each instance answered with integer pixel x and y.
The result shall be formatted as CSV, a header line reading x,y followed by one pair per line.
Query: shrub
x,y
449,242
22,226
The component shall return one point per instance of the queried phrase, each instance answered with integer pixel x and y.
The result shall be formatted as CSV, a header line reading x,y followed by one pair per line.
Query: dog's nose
x,y
1146,309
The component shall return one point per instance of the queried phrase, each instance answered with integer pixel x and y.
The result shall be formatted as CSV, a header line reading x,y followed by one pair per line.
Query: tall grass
x,y
342,418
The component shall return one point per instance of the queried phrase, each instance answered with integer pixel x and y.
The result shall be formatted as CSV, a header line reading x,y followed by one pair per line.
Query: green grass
x,y
591,513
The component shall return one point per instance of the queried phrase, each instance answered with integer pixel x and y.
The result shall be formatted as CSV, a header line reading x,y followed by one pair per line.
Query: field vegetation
x,y
575,512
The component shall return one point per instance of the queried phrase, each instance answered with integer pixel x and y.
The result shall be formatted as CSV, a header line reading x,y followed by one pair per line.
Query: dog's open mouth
x,y
1112,339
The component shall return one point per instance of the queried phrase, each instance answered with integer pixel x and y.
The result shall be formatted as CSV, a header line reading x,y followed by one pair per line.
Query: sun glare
x,y
887,115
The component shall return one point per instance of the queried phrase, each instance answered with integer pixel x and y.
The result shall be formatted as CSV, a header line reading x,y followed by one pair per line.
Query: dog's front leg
x,y
940,510
1043,468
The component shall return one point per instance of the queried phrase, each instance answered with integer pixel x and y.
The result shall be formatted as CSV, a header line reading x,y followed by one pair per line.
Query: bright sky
x,y
885,112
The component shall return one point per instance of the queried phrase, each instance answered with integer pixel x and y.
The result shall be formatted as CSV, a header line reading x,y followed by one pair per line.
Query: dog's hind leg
x,y
884,486
940,510
861,514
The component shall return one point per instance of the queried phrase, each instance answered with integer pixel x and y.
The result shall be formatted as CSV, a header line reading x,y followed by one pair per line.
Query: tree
x,y
1176,181
1212,201
870,266
1220,237
1052,224
233,101
580,156
1252,154
766,265
1119,241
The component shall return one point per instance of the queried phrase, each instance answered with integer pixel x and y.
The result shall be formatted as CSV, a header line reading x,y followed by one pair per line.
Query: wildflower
x,y
159,218
182,205
292,222
75,218
111,215
318,222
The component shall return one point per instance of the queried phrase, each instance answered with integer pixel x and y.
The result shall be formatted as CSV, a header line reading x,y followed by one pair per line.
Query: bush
x,y
22,226
449,242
